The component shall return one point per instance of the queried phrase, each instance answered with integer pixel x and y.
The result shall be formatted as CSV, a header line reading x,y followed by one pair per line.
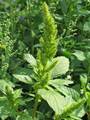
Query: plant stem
x,y
35,107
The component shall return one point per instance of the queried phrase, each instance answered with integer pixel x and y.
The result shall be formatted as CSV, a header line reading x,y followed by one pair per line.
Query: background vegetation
x,y
45,59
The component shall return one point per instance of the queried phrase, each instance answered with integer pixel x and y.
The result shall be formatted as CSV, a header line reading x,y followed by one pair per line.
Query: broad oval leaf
x,y
56,101
61,86
23,78
68,92
79,55
61,67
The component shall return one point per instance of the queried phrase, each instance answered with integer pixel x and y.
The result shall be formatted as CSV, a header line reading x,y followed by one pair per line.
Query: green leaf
x,y
23,71
70,108
30,59
72,117
3,108
23,78
79,112
61,86
60,82
24,116
54,99
83,80
86,26
88,98
88,86
68,92
17,93
61,67
79,55
4,84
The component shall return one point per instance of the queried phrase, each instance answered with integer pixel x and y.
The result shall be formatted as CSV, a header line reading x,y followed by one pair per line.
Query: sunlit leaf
x,y
61,67
56,101
80,55
30,59
23,78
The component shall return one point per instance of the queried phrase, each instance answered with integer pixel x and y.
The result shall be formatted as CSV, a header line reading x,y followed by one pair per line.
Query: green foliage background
x,y
44,59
